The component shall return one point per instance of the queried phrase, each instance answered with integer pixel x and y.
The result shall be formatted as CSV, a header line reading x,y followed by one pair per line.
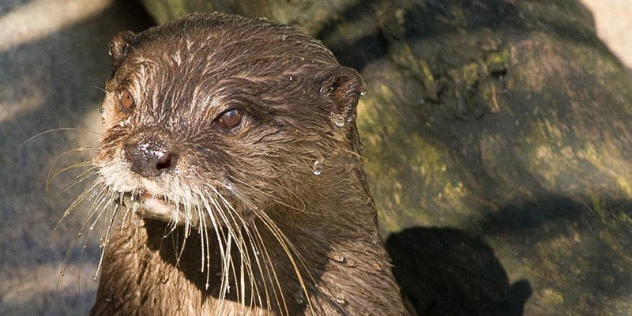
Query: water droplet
x,y
337,257
291,78
299,297
340,298
376,265
229,186
363,92
318,167
351,118
338,119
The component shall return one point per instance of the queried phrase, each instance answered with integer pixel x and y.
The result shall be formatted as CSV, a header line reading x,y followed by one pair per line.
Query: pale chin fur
x,y
219,206
149,200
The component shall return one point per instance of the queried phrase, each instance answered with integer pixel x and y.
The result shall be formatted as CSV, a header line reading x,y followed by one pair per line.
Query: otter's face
x,y
213,119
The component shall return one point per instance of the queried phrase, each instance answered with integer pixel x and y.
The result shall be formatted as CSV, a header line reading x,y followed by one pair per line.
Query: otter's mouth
x,y
147,205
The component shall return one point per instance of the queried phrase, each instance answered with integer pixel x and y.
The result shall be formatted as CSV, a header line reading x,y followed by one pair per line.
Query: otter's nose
x,y
149,157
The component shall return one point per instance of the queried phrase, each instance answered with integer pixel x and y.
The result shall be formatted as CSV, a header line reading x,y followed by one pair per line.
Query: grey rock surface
x,y
53,63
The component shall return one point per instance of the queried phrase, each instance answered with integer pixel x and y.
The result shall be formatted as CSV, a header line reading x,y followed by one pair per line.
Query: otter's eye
x,y
126,101
230,119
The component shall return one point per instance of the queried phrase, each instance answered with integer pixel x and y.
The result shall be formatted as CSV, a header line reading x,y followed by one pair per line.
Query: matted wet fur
x,y
230,175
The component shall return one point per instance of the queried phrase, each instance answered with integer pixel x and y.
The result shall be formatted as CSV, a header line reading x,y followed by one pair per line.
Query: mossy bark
x,y
507,120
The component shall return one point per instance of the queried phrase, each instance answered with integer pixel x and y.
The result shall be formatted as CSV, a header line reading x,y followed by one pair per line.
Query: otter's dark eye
x,y
126,101
230,119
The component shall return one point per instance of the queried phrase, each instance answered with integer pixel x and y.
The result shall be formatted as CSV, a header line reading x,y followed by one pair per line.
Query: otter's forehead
x,y
205,60
220,43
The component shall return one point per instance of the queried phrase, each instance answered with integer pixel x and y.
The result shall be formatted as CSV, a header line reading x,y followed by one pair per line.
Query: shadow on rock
x,y
444,271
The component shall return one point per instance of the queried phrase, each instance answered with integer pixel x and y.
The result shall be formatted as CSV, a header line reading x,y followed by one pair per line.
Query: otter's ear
x,y
118,48
341,87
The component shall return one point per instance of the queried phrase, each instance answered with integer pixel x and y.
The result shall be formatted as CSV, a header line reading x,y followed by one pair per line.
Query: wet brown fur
x,y
308,242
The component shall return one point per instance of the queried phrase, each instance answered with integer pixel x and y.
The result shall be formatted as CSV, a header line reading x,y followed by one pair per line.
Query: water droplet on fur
x,y
363,92
377,266
318,167
229,187
79,234
351,118
300,297
340,298
337,257
291,78
338,119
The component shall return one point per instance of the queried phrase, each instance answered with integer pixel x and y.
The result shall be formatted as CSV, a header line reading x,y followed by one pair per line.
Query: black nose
x,y
149,157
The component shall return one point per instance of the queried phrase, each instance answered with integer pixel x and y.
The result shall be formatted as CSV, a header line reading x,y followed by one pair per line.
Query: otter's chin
x,y
154,207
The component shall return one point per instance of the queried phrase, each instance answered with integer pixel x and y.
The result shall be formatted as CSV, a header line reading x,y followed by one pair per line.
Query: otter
x,y
229,173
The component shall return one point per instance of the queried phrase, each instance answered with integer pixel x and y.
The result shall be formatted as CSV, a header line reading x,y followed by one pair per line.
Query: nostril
x,y
149,157
164,161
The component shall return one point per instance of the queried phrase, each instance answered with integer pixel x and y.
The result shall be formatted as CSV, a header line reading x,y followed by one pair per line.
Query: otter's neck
x,y
325,259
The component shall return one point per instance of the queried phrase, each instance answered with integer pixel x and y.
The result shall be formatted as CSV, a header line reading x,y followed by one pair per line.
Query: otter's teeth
x,y
130,201
159,209
149,206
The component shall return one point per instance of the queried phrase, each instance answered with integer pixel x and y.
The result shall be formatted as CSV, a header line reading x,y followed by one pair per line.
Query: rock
x,y
53,65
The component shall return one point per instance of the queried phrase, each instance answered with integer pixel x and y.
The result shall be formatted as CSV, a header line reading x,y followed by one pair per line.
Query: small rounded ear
x,y
341,87
118,48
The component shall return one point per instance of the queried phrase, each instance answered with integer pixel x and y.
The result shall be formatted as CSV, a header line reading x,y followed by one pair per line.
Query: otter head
x,y
236,137
214,120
